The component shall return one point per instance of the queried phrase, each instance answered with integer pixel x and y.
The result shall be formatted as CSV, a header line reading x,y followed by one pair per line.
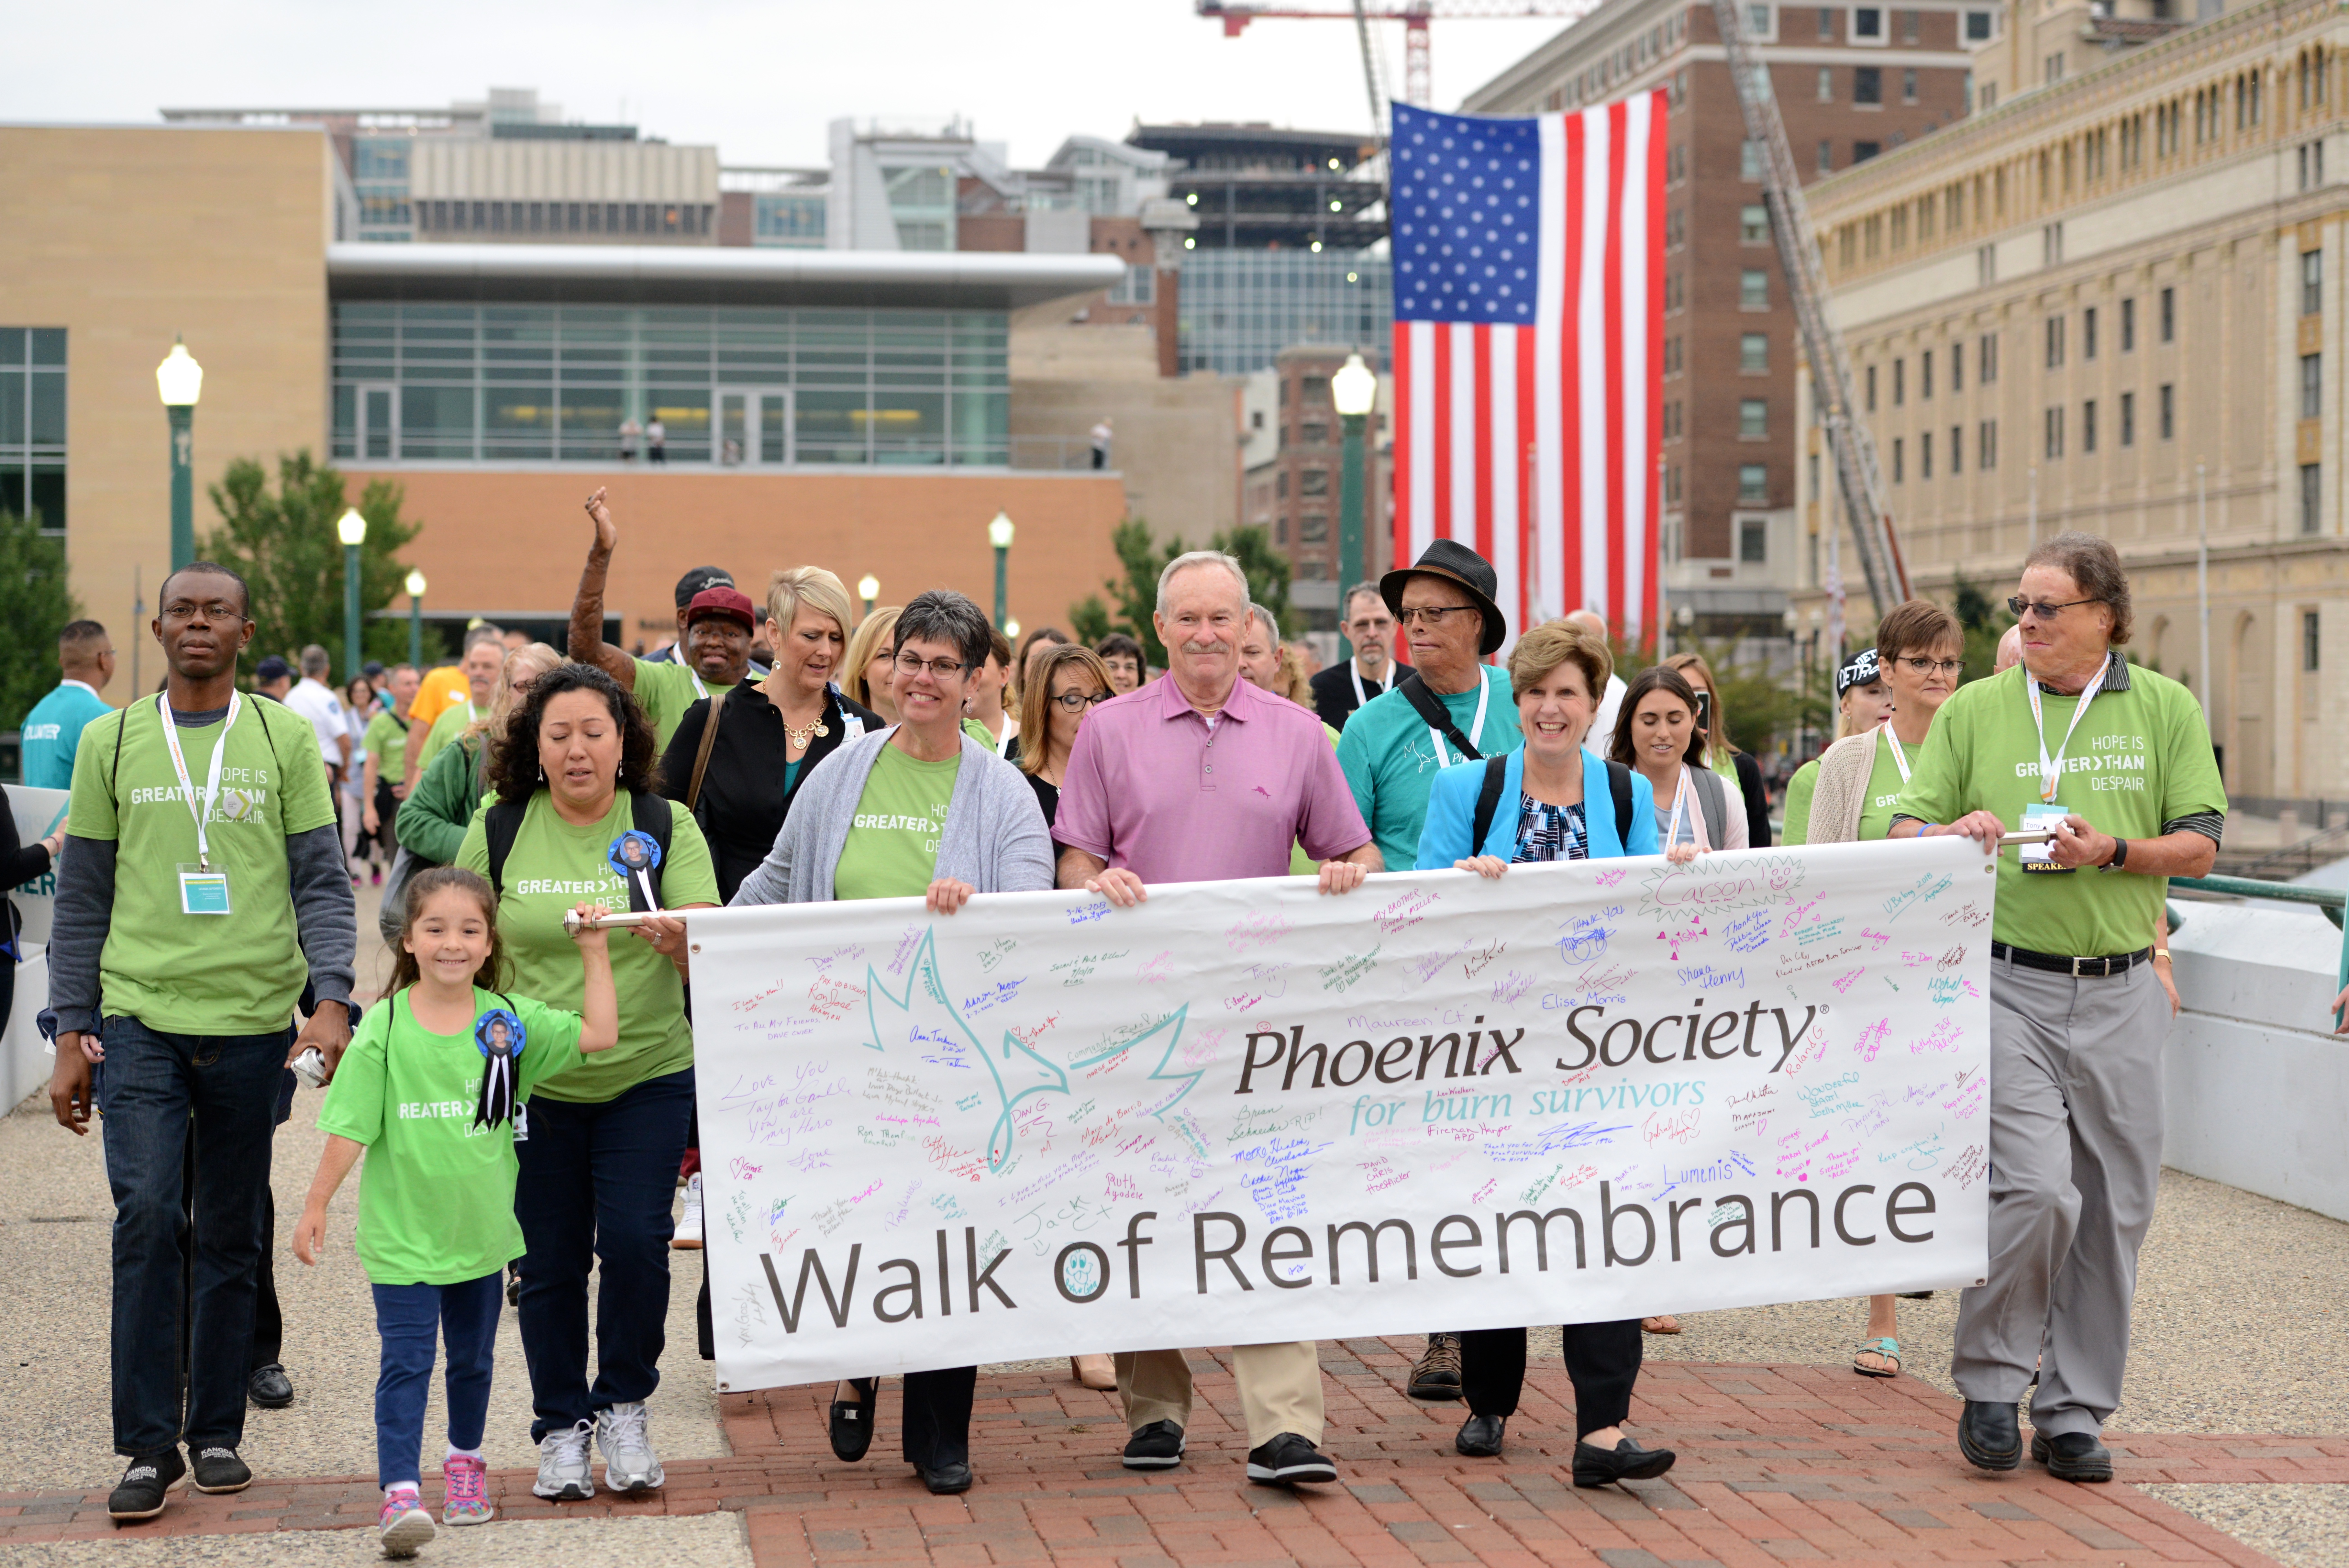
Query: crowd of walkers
x,y
514,797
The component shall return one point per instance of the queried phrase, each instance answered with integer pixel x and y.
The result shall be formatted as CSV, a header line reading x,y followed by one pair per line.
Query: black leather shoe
x,y
1289,1461
1437,1374
1480,1435
851,1420
2074,1457
1156,1446
1989,1435
269,1388
946,1479
1627,1460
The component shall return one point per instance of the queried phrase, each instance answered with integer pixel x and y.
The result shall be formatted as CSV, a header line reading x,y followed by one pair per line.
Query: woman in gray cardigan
x,y
917,810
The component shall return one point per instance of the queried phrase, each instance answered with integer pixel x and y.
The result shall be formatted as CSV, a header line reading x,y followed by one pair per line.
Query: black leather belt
x,y
2078,968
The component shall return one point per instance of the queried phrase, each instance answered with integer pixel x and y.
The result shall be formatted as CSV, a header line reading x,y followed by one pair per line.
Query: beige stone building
x,y
2091,303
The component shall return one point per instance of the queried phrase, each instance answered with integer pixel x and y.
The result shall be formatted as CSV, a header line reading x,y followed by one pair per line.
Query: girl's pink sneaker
x,y
404,1525
468,1482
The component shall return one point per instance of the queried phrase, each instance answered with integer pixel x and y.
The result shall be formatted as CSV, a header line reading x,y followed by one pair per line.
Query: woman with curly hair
x,y
575,777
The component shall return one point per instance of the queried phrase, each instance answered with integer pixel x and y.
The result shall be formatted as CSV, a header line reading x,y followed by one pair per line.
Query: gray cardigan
x,y
994,839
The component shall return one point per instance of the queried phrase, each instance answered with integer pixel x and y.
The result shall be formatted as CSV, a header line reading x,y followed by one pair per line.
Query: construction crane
x,y
1857,477
1414,16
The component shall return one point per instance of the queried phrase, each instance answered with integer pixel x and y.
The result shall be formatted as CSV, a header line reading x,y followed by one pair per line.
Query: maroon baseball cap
x,y
722,600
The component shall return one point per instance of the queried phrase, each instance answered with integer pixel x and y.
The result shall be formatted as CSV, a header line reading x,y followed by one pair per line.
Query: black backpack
x,y
1488,800
503,821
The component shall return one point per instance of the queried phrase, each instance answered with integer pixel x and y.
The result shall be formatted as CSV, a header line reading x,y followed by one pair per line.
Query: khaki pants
x,y
1281,1389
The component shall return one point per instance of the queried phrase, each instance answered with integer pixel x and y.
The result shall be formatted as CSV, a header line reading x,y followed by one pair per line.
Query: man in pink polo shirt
x,y
1202,777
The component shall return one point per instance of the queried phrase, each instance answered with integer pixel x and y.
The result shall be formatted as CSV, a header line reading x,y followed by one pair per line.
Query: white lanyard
x,y
677,657
187,785
1680,799
1475,731
1899,757
2051,769
1355,670
472,714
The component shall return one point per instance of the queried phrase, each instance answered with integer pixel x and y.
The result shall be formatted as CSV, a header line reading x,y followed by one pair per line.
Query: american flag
x,y
1528,286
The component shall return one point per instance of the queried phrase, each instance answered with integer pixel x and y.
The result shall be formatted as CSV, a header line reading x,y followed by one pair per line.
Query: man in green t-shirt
x,y
385,746
2116,761
485,655
203,882
712,655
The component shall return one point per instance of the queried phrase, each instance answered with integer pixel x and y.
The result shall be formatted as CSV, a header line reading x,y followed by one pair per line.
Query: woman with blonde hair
x,y
1735,768
867,674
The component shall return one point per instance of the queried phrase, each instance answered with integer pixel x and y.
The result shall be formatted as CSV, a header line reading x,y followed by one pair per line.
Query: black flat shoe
x,y
2074,1457
946,1479
1480,1435
851,1420
269,1388
1627,1460
1989,1435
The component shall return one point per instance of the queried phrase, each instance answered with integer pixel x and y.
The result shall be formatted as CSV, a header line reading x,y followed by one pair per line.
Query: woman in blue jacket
x,y
1550,800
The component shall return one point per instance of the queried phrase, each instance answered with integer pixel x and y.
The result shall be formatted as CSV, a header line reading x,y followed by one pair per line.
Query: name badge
x,y
2040,856
202,892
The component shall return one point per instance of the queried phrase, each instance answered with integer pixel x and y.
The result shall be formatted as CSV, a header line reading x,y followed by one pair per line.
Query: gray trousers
x,y
2075,1158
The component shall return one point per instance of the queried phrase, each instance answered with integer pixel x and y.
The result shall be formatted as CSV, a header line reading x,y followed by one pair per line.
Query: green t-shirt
x,y
978,731
444,732
1884,786
435,1192
1799,790
164,967
387,743
554,865
1390,759
2141,758
893,841
665,688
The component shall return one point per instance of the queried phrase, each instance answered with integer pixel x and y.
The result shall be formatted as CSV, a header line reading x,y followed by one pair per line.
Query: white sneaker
x,y
629,1462
688,1237
566,1471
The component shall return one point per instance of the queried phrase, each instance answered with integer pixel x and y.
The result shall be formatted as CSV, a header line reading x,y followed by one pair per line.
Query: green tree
x,y
1134,594
286,547
1757,708
36,602
1985,623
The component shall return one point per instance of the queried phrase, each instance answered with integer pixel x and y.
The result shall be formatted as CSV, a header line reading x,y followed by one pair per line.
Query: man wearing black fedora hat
x,y
1448,709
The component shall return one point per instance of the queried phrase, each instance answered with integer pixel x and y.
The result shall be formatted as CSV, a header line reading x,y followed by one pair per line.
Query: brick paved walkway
x,y
1777,1464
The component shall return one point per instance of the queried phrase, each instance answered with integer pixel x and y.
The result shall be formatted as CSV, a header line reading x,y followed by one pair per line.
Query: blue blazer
x,y
1452,815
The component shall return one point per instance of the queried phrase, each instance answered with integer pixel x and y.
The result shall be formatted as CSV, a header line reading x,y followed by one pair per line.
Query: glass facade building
x,y
733,385
33,423
1239,309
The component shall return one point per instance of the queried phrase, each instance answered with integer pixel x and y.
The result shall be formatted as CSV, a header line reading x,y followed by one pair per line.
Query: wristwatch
x,y
2120,855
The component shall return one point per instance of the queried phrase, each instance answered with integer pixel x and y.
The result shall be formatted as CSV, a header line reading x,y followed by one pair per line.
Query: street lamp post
x,y
352,530
415,586
1355,390
181,381
869,588
998,533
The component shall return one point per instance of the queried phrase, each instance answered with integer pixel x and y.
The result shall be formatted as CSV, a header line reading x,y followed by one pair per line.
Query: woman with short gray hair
x,y
866,825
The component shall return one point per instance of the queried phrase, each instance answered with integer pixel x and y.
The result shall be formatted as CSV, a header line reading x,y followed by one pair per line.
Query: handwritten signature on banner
x,y
1706,1038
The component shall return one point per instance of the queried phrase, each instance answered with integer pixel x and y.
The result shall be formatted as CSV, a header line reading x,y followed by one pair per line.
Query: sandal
x,y
1885,1347
1665,1324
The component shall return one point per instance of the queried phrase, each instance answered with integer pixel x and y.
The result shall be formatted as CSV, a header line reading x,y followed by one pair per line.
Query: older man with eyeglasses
x,y
2115,762
1200,777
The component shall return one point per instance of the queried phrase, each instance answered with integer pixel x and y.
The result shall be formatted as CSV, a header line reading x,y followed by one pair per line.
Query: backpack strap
x,y
652,816
500,822
1488,801
1713,799
1619,787
1430,708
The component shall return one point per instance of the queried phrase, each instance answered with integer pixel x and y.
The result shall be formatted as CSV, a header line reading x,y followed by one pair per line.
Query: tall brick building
x,y
1852,82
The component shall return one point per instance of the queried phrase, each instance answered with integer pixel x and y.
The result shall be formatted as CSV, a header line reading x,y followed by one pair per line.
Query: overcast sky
x,y
761,80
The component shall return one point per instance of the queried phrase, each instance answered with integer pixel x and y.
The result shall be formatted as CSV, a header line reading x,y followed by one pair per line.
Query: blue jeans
x,y
156,1092
596,1182
405,1316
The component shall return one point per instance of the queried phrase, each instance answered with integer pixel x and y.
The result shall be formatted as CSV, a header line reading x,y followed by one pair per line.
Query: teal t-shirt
x,y
53,728
893,841
2140,759
556,864
1390,758
435,1192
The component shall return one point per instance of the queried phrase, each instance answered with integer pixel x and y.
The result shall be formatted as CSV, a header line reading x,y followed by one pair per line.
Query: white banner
x,y
1246,1111
37,812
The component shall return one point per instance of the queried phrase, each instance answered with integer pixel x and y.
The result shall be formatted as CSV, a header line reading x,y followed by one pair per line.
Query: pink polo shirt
x,y
1152,789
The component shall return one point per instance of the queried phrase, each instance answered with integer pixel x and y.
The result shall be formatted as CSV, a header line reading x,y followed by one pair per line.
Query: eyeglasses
x,y
2041,608
1069,702
1928,666
907,664
1434,615
215,613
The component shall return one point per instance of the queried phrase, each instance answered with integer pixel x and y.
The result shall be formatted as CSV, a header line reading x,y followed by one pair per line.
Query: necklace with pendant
x,y
799,739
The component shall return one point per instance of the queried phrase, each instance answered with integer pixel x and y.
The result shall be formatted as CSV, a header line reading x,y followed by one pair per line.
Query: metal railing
x,y
2329,900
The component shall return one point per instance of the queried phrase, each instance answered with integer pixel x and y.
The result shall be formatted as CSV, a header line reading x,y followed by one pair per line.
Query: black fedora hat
x,y
1454,562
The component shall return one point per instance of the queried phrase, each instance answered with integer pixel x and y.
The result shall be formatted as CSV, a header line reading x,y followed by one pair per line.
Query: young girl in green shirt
x,y
432,1087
